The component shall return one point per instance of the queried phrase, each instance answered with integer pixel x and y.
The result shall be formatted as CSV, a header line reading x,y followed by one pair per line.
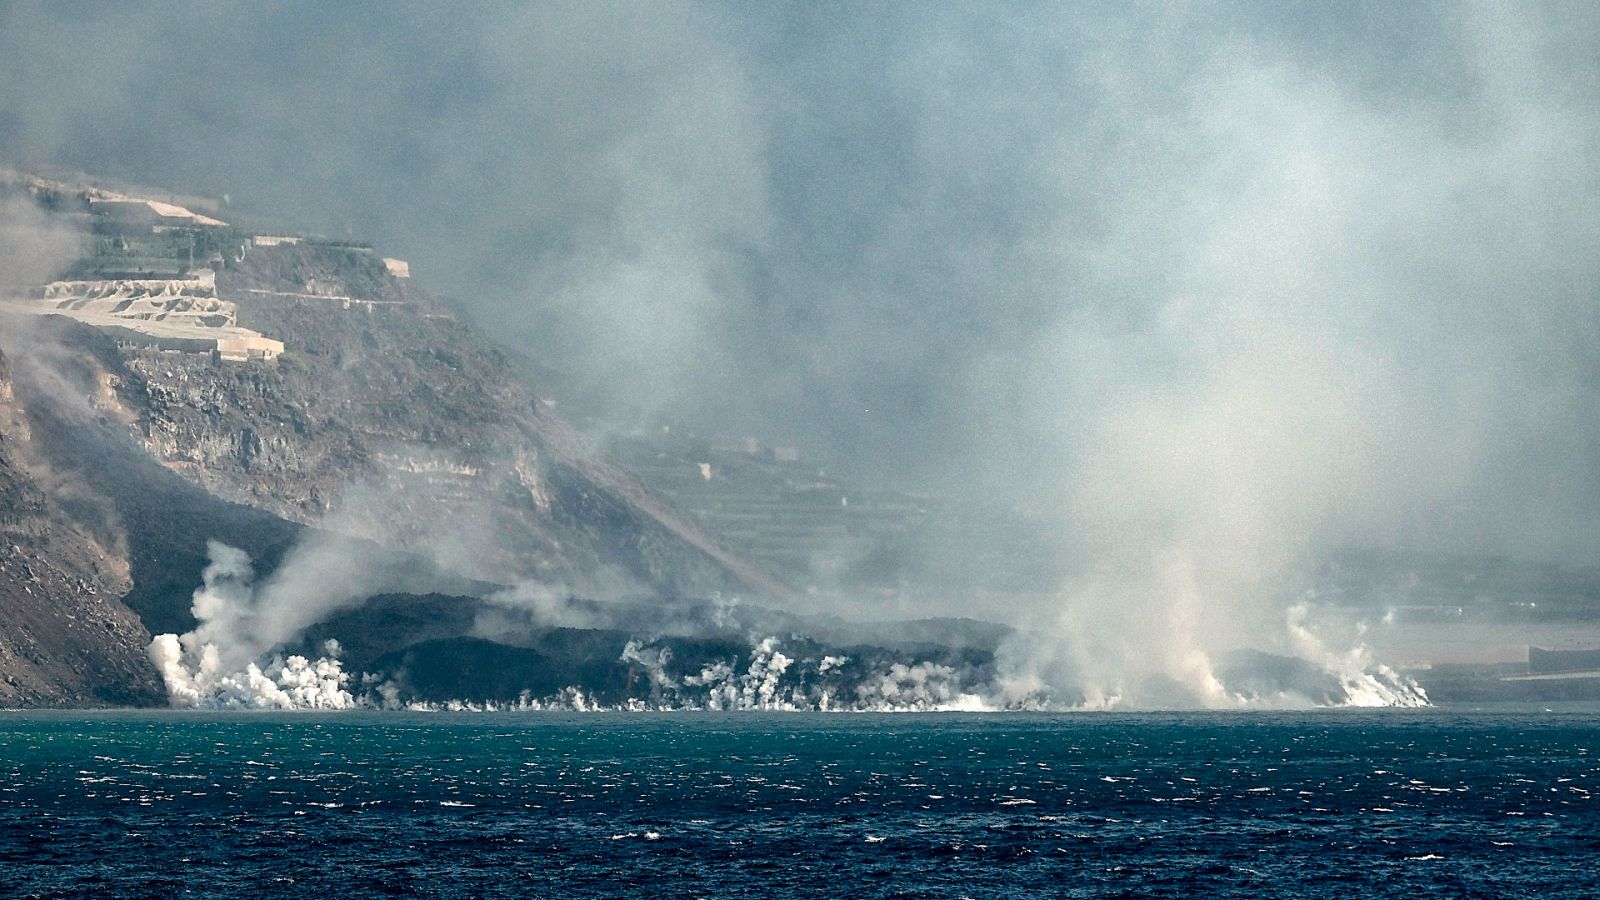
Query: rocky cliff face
x,y
68,639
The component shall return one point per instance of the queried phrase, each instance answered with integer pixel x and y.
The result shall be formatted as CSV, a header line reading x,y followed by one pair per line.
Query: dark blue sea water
x,y
1334,804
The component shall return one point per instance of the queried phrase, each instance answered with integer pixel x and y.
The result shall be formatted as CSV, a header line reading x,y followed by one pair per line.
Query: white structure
x,y
274,240
243,345
180,314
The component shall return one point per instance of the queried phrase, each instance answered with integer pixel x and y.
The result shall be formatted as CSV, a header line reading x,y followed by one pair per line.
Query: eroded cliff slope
x,y
67,638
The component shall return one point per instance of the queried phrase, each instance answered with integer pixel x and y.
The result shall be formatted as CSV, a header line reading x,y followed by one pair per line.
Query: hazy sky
x,y
1208,274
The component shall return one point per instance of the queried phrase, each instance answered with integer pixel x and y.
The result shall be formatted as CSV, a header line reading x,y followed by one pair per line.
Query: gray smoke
x,y
34,245
1211,289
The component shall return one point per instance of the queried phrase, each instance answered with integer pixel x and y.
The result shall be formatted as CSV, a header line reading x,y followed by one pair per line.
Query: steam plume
x,y
1214,290
227,659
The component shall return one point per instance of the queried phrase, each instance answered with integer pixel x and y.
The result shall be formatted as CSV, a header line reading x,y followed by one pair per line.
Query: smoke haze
x,y
1212,289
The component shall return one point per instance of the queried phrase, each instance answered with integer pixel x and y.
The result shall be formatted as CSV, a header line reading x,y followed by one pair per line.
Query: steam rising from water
x,y
1365,681
1219,288
220,664
233,659
294,682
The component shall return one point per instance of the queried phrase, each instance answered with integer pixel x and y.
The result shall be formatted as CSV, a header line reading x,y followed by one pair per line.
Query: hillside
x,y
68,637
127,444
344,463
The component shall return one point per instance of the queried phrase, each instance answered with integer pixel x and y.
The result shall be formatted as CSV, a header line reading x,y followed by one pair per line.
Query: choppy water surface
x,y
1333,804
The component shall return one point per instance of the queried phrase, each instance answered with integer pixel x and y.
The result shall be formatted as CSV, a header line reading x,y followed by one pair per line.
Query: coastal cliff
x,y
126,445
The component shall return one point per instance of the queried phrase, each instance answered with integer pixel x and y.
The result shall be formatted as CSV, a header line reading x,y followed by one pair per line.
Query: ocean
x,y
1334,803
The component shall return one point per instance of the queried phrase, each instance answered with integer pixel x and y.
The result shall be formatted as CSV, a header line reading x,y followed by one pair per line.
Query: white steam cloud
x,y
230,659
1345,345
233,658
1214,289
